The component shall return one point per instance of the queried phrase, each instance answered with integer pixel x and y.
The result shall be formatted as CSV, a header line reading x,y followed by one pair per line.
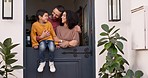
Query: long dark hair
x,y
72,19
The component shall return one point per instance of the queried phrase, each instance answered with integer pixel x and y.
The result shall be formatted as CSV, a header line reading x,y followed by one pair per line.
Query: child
x,y
40,26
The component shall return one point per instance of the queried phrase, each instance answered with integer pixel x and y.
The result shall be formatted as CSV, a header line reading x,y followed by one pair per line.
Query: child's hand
x,y
35,47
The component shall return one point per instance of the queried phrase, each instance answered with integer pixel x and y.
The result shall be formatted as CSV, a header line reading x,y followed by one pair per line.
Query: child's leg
x,y
42,48
51,47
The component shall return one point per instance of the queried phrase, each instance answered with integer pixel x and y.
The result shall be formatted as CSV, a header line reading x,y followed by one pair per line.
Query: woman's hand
x,y
64,44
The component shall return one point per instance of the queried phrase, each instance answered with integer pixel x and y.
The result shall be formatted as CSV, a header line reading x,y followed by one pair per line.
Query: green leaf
x,y
107,45
126,76
101,43
2,72
103,34
102,39
3,51
111,29
2,45
10,56
115,31
113,40
102,51
120,46
122,38
130,73
17,67
125,61
138,74
105,27
105,76
112,50
12,46
117,35
7,42
8,70
10,61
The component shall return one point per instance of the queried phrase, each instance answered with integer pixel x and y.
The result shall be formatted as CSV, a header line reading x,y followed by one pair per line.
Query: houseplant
x,y
7,65
114,65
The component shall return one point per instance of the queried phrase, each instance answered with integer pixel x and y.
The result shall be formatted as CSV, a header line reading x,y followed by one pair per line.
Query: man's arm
x,y
45,33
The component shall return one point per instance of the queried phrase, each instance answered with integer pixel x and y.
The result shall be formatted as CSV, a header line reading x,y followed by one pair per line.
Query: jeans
x,y
42,48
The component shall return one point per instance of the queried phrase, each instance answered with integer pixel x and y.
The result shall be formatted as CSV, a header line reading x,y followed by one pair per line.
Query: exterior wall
x,y
101,17
140,56
14,29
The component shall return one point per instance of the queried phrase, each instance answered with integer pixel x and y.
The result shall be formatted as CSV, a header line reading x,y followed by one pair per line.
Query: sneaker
x,y
41,67
52,67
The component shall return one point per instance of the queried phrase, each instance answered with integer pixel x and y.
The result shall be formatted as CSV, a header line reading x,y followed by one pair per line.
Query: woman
x,y
67,33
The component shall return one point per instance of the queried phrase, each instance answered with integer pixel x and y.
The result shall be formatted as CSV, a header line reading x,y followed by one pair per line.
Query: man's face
x,y
56,14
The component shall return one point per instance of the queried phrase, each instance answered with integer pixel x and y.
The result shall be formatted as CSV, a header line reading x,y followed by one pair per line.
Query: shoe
x,y
52,67
41,67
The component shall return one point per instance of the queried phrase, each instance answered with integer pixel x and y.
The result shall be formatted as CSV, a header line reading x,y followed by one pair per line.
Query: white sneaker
x,y
52,67
41,67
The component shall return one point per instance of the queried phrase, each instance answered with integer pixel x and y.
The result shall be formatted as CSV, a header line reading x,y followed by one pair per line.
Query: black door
x,y
77,62
70,63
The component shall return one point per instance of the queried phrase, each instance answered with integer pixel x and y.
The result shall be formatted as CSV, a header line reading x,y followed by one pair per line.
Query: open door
x,y
77,62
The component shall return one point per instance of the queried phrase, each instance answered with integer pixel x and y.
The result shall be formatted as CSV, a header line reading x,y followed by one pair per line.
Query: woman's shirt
x,y
67,34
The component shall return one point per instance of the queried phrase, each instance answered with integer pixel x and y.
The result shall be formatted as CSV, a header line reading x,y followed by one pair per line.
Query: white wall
x,y
14,29
101,16
141,55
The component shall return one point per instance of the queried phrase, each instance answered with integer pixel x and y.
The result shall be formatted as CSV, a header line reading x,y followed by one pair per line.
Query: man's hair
x,y
60,8
72,19
40,12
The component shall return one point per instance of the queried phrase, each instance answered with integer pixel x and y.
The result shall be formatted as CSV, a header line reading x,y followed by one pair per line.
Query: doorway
x,y
77,62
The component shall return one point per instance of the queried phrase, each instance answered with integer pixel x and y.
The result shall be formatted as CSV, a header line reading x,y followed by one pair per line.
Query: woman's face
x,y
64,17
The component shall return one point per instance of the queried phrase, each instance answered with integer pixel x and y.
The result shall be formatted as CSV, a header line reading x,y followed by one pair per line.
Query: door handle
x,y
75,52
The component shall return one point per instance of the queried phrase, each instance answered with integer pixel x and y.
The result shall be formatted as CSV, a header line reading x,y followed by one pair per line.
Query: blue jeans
x,y
42,47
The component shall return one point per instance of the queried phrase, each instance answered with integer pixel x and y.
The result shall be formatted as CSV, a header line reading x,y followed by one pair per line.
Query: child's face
x,y
44,18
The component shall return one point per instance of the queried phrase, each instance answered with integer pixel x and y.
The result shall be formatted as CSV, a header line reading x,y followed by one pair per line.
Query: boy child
x,y
43,25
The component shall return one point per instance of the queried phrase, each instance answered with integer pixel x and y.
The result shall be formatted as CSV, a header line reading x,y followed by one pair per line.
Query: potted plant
x,y
7,65
114,65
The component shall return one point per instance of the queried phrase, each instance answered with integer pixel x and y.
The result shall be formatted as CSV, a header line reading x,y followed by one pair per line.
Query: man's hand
x,y
77,28
45,33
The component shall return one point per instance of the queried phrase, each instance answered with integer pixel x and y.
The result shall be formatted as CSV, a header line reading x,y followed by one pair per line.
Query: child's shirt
x,y
37,30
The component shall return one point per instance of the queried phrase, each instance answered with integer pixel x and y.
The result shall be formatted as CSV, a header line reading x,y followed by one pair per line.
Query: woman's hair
x,y
40,12
72,19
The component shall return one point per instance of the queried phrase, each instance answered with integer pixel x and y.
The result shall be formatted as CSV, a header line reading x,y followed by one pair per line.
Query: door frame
x,y
92,45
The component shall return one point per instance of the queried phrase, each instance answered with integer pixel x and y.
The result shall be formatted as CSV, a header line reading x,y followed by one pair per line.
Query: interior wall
x,y
101,17
33,5
14,29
